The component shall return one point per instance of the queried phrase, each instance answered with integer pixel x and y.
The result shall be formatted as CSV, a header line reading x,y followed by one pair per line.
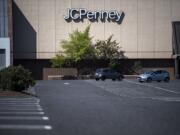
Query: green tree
x,y
58,61
108,49
79,46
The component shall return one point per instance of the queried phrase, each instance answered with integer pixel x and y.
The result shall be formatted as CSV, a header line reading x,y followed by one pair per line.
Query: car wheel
x,y
140,81
97,79
103,78
167,79
149,80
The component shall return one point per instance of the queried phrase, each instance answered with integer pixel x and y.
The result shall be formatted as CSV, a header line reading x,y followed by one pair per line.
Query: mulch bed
x,y
9,93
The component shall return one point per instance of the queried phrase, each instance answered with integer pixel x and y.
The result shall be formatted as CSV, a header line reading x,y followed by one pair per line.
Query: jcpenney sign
x,y
81,14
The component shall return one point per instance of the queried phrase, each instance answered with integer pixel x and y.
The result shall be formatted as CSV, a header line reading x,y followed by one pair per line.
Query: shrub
x,y
15,78
137,67
115,65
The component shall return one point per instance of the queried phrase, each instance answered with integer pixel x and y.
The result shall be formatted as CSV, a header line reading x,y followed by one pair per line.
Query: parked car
x,y
157,75
106,73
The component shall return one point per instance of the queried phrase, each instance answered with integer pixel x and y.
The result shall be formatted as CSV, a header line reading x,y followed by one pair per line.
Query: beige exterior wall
x,y
145,32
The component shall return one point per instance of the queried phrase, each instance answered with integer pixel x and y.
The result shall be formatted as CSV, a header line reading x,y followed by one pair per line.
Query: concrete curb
x,y
30,91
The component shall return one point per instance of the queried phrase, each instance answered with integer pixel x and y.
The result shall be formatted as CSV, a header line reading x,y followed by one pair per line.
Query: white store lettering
x,y
81,14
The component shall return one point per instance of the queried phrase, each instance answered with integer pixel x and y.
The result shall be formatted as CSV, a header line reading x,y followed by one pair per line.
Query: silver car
x,y
158,75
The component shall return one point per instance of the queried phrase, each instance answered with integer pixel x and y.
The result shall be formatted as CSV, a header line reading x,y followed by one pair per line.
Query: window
x,y
106,71
158,72
3,18
2,58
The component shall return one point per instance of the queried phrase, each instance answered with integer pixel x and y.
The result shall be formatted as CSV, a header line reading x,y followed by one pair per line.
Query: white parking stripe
x,y
20,98
17,105
23,113
7,103
47,127
13,100
45,118
26,127
159,88
66,83
20,103
23,118
18,109
13,107
168,99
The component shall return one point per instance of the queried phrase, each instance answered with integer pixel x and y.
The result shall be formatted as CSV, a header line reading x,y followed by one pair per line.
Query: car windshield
x,y
148,72
98,70
102,70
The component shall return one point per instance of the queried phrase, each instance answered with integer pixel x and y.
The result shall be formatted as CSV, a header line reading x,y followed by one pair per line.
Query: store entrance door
x,y
2,58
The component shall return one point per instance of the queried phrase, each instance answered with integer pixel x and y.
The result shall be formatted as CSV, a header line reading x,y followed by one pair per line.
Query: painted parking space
x,y
158,86
170,92
18,115
173,85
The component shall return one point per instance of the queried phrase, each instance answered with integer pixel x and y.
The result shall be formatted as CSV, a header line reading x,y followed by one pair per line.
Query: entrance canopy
x,y
176,47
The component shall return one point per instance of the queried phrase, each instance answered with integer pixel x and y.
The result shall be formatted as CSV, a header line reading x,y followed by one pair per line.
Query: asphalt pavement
x,y
89,107
23,116
111,108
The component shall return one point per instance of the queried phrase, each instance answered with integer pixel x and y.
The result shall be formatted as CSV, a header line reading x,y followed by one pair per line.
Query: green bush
x,y
115,65
137,67
15,78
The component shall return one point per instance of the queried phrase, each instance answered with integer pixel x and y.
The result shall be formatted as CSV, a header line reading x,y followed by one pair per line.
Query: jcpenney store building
x,y
147,30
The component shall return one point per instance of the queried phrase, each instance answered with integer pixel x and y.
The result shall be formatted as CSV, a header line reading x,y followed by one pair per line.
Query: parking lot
x,y
89,107
23,115
131,88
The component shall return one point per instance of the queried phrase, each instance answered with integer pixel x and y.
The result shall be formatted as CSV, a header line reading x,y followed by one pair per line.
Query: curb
x,y
30,91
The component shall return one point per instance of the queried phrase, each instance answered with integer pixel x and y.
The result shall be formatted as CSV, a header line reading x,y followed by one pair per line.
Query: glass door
x,y
2,58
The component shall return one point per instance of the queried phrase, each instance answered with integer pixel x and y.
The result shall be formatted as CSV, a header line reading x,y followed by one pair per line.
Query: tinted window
x,y
112,71
159,72
2,58
148,72
105,70
98,70
165,72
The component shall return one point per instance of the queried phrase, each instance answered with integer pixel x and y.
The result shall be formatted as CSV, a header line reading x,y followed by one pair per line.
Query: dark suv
x,y
106,73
